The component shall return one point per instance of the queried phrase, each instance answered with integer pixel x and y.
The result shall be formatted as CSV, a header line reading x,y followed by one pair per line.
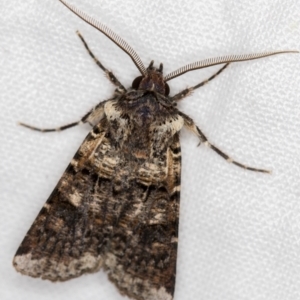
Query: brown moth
x,y
116,206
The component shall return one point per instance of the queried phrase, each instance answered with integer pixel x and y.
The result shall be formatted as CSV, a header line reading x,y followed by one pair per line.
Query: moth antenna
x,y
221,60
110,34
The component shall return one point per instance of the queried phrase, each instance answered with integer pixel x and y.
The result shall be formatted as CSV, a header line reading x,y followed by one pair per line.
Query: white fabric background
x,y
239,230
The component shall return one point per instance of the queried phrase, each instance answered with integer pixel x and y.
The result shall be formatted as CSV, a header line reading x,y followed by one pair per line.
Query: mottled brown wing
x,y
69,236
142,254
103,212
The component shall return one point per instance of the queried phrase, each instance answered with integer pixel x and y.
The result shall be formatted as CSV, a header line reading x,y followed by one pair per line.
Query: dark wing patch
x,y
69,235
142,254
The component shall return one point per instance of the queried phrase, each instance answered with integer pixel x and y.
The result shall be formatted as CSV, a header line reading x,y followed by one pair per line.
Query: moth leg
x,y
112,78
190,90
189,123
92,117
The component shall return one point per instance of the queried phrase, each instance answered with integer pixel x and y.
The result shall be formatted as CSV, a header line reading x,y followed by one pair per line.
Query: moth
x,y
116,206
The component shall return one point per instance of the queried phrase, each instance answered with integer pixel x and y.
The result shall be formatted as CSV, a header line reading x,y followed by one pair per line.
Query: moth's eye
x,y
136,82
167,89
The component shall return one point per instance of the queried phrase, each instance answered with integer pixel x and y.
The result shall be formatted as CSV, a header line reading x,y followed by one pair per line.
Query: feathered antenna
x,y
110,34
221,60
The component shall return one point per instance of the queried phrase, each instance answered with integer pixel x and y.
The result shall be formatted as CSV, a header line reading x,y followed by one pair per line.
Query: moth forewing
x,y
116,206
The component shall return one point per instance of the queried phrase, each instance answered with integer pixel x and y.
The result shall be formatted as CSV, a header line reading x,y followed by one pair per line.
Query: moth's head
x,y
153,80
